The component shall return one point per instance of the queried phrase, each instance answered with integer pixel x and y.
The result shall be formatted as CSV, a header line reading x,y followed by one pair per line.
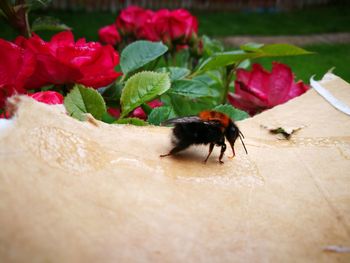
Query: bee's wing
x,y
187,119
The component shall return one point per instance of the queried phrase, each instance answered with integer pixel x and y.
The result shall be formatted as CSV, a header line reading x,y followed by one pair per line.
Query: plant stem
x,y
17,18
230,71
122,79
146,108
173,57
166,58
20,20
27,31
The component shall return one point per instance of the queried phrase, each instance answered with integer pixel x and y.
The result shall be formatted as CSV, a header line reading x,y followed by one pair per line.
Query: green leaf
x,y
188,97
280,50
232,112
146,108
36,4
133,121
223,59
181,58
48,87
161,114
214,80
81,100
185,106
175,73
251,47
192,88
244,64
3,14
211,46
141,88
111,94
48,23
139,53
107,118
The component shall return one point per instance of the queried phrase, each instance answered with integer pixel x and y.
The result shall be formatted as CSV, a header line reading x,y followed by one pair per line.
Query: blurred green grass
x,y
325,58
315,20
301,22
219,24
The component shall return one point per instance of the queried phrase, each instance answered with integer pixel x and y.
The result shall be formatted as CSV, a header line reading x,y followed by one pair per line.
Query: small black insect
x,y
209,127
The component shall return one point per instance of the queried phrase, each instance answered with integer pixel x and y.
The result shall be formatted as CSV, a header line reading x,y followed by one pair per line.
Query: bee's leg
x,y
211,147
176,149
223,149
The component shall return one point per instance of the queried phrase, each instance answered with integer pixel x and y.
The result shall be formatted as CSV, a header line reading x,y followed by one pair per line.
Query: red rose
x,y
147,31
131,19
115,112
187,28
5,115
63,61
139,112
177,25
109,35
49,70
16,65
3,97
48,97
97,64
259,90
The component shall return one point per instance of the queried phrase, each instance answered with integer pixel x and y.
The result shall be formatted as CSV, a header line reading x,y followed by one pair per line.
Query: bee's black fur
x,y
192,130
197,133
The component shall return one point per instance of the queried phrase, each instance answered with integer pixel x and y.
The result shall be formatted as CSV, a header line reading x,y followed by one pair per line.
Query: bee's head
x,y
232,133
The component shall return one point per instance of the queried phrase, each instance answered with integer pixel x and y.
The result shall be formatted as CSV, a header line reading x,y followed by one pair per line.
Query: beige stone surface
x,y
75,191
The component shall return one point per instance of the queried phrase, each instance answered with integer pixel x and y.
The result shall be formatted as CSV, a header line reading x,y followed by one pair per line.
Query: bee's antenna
x,y
240,137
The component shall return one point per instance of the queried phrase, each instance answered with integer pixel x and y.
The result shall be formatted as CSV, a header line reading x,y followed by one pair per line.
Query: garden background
x,y
244,18
84,191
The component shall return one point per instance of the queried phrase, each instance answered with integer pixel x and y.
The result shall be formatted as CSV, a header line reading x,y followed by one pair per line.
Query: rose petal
x,y
281,80
64,38
131,19
109,35
61,61
139,112
48,97
297,89
115,112
257,90
16,65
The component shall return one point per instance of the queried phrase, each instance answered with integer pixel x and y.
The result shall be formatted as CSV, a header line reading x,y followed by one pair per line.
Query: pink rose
x,y
48,97
139,112
16,65
259,90
131,19
109,35
64,61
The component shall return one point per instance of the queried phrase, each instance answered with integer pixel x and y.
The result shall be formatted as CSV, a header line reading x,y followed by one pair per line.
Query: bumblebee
x,y
209,127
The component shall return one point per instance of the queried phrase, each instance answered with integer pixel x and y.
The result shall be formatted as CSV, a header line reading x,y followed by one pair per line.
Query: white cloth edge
x,y
328,96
